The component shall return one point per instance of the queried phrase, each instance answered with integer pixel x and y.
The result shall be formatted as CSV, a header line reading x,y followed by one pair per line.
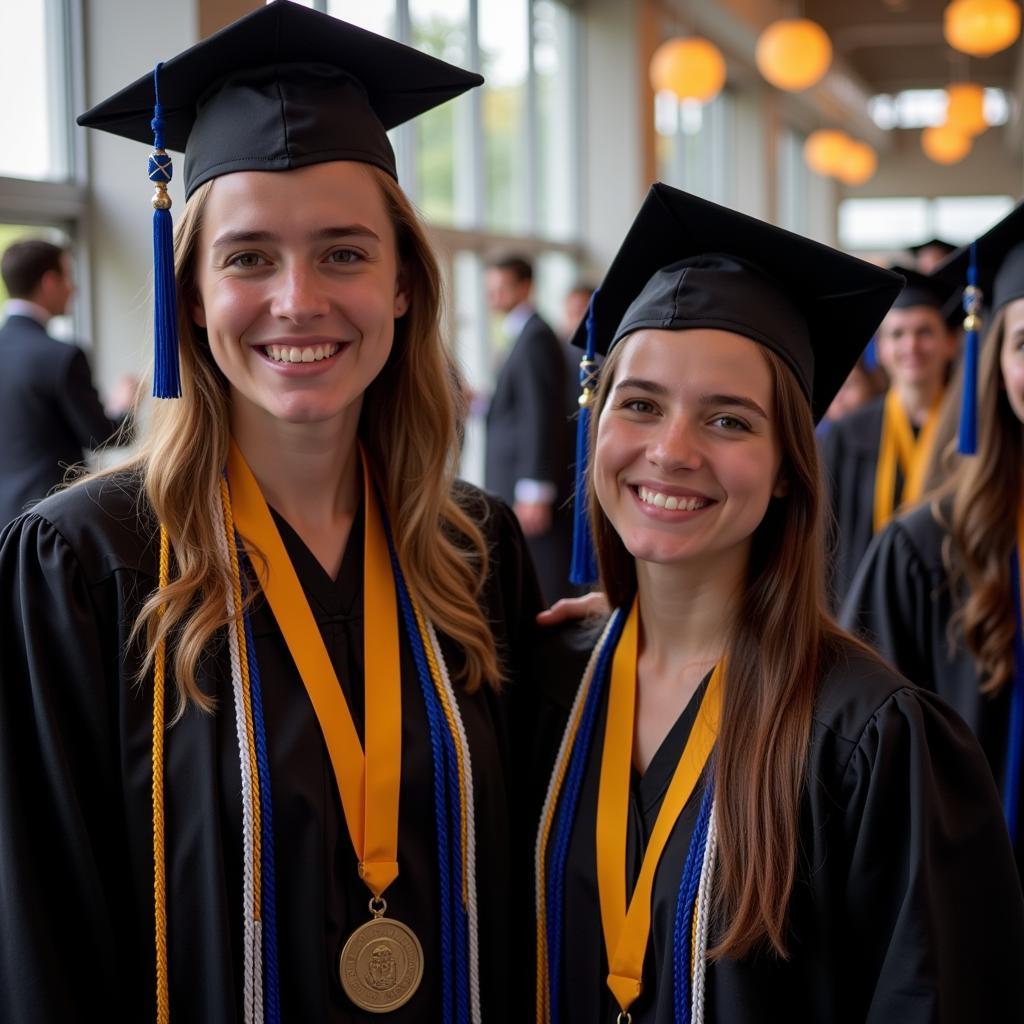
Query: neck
x,y
686,613
308,472
918,399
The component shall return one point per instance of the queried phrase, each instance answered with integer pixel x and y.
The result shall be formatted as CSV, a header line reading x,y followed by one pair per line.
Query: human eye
x,y
638,405
344,257
730,423
245,260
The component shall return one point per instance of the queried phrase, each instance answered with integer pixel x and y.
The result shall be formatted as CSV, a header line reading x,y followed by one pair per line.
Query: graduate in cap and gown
x,y
938,593
256,685
750,816
876,456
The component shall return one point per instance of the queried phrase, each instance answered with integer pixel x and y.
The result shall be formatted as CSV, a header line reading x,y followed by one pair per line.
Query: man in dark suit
x,y
528,458
49,410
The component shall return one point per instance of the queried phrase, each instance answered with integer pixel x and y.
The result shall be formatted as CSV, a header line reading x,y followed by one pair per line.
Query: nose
x,y
300,295
676,445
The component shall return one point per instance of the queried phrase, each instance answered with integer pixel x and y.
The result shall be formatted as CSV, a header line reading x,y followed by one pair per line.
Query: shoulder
x,y
918,536
858,430
105,521
856,684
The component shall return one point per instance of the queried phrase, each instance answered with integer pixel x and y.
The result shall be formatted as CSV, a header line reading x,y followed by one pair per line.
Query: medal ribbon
x,y
899,447
368,783
627,926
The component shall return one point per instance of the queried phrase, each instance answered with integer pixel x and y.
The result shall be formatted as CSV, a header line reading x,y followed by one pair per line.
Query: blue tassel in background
x,y
968,441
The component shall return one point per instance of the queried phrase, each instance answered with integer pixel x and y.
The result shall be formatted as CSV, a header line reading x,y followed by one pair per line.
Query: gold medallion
x,y
381,964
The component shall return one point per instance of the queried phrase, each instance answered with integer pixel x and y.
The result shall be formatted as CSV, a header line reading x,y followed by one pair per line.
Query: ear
x,y
198,310
781,488
401,296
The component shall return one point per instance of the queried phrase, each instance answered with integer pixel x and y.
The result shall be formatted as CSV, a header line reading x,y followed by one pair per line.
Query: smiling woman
x,y
256,685
764,809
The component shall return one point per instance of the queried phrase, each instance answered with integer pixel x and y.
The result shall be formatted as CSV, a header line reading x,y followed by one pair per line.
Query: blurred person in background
x,y
50,413
875,457
527,455
928,255
864,383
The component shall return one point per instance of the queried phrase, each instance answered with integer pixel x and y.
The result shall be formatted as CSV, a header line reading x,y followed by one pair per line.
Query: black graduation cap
x,y
992,269
931,243
686,263
922,290
998,259
280,88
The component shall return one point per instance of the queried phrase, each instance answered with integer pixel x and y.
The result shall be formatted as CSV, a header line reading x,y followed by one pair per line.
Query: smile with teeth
x,y
671,502
307,354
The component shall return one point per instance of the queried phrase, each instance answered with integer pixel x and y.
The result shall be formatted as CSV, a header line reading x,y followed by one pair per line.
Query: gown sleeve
x,y
60,811
890,604
932,888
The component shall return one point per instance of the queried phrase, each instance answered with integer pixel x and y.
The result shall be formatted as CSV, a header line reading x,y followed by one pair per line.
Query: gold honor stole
x,y
368,781
627,925
898,447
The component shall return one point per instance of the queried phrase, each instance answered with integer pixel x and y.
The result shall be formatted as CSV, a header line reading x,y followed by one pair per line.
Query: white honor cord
x,y
252,1003
704,896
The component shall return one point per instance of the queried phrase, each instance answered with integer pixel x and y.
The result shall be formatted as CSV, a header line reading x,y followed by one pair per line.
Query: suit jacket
x,y
526,430
50,413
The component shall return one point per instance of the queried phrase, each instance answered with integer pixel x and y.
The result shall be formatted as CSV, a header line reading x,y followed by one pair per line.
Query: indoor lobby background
x,y
550,159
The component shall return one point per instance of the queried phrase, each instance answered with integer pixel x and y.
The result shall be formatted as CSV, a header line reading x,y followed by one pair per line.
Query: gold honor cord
x,y
899,447
627,926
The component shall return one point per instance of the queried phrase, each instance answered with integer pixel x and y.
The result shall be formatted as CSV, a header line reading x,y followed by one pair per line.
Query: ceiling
x,y
898,44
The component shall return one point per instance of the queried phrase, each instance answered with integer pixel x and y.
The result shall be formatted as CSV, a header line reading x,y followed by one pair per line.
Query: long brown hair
x,y
779,647
438,536
985,492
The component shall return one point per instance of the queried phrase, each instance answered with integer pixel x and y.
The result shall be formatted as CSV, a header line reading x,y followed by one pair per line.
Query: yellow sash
x,y
368,784
898,447
627,926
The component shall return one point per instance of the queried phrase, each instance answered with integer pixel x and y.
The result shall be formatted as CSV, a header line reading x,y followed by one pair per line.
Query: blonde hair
x,y
437,533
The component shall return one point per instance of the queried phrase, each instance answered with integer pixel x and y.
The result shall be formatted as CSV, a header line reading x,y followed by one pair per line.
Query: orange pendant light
x,y
793,53
981,27
692,68
945,144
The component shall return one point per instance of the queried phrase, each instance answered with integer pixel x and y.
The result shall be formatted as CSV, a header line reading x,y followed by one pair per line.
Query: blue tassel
x,y
968,441
166,372
583,570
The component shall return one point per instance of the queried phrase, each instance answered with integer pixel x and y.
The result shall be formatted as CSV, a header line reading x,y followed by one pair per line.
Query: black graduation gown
x,y
849,451
76,873
902,604
906,906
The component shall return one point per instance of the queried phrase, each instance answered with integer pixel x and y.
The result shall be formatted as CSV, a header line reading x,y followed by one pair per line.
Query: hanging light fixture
x,y
692,68
945,144
981,27
858,163
825,150
965,107
793,53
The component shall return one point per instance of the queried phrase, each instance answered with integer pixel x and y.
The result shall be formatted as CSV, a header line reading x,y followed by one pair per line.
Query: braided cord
x,y
163,1005
268,917
567,814
544,831
249,937
703,919
683,942
439,670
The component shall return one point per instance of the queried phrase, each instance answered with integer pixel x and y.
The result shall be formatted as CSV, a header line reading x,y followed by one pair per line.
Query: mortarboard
x,y
687,263
281,88
931,243
992,268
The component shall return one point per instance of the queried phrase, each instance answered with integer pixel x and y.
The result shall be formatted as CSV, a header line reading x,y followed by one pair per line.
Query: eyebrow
x,y
321,234
654,388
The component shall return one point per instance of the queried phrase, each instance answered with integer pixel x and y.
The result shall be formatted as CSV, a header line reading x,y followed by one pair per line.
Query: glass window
x,y
695,145
504,65
882,223
34,88
377,16
792,182
960,219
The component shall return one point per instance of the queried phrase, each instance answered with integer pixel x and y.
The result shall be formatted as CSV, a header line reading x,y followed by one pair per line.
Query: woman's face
x,y
298,288
1011,356
687,454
